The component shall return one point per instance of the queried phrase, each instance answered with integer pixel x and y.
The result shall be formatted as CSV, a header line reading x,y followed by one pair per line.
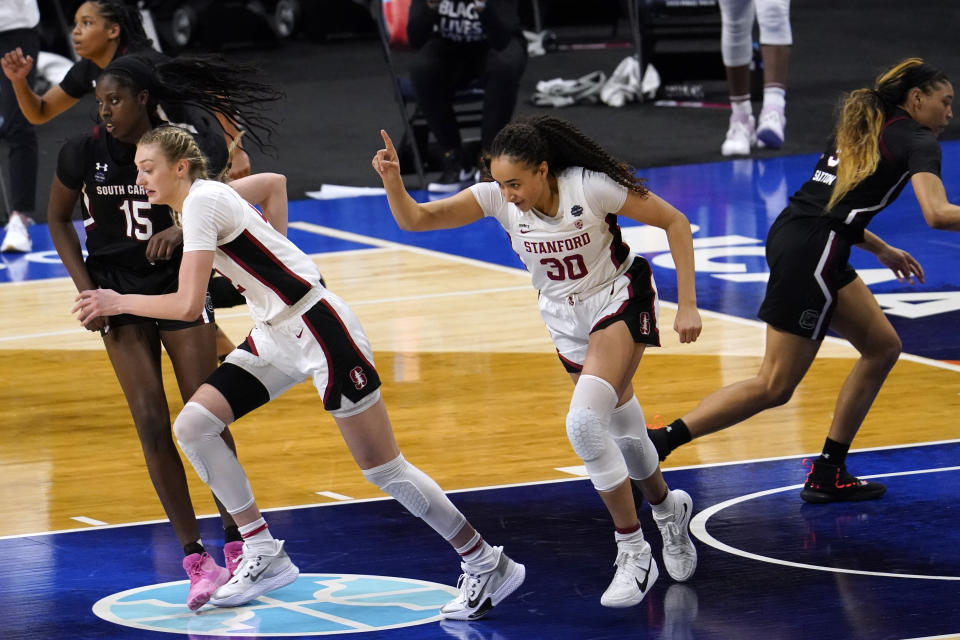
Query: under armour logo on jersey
x,y
576,210
102,166
358,378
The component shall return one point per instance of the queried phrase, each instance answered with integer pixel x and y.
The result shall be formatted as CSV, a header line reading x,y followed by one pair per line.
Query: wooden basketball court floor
x,y
478,398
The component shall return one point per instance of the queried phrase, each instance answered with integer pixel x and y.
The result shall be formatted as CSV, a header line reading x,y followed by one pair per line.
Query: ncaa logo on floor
x,y
315,604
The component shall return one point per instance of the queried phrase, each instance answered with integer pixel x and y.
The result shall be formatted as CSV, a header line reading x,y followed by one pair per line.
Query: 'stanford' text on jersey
x,y
577,251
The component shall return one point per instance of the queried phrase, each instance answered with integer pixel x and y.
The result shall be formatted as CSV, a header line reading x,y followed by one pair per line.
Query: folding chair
x,y
417,147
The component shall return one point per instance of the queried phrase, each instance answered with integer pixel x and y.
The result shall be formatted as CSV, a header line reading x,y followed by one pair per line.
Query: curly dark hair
x,y
559,143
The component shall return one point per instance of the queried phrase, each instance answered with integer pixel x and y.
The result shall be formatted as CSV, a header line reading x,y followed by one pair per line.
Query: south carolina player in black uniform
x,y
886,136
134,246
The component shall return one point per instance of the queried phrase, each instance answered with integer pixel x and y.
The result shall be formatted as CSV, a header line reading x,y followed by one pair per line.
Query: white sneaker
x,y
481,592
17,238
636,574
770,129
741,135
258,574
679,554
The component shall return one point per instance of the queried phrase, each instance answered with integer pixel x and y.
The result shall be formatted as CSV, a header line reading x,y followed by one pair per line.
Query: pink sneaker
x,y
206,576
233,555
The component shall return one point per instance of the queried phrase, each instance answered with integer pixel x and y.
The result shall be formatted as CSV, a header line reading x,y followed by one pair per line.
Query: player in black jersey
x,y
886,136
134,246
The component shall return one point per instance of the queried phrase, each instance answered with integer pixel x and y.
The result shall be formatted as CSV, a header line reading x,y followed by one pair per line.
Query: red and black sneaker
x,y
832,483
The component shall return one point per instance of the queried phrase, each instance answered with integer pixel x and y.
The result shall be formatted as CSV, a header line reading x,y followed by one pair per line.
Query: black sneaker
x,y
454,177
832,483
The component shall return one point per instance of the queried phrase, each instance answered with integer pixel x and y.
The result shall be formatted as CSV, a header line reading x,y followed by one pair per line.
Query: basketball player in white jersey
x,y
302,331
557,193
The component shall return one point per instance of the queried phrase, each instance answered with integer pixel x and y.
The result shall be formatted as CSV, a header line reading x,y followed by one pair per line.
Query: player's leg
x,y
672,508
786,359
134,350
193,354
611,358
859,319
244,382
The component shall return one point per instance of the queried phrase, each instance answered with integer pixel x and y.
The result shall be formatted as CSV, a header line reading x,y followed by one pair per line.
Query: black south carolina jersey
x,y
906,148
117,217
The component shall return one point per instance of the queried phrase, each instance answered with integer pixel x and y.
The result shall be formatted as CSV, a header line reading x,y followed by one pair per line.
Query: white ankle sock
x,y
256,534
741,108
477,554
774,98
666,507
632,541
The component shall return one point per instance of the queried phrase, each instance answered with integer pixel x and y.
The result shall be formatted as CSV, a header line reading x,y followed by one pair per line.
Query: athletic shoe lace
x,y
469,585
623,573
671,530
238,561
196,569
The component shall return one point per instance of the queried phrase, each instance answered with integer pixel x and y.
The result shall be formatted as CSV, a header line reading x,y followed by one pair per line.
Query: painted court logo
x,y
315,604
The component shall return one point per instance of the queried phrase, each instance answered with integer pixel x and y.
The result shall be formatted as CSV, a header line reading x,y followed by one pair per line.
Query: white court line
x,y
698,526
333,495
469,489
86,520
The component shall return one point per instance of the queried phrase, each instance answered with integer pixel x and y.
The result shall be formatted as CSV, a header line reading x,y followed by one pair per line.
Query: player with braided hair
x,y
103,31
886,135
557,193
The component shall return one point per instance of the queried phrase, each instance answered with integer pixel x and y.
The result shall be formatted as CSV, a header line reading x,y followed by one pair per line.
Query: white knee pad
x,y
773,16
198,434
419,494
629,430
587,423
736,32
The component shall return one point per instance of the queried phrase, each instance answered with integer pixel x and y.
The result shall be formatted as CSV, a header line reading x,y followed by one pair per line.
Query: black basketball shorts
x,y
809,264
159,279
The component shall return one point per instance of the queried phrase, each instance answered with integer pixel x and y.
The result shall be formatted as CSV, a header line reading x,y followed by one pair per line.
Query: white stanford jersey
x,y
578,251
264,266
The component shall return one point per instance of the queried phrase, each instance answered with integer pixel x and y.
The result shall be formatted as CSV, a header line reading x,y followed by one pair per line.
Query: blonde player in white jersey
x,y
302,331
558,193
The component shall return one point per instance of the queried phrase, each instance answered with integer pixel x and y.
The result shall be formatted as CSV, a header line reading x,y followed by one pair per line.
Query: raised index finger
x,y
386,140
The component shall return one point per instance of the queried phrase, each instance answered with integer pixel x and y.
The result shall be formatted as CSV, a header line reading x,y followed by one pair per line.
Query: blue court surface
x,y
770,565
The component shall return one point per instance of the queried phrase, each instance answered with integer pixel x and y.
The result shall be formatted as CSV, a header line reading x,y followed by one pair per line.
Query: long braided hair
x,y
862,115
561,145
233,90
133,37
